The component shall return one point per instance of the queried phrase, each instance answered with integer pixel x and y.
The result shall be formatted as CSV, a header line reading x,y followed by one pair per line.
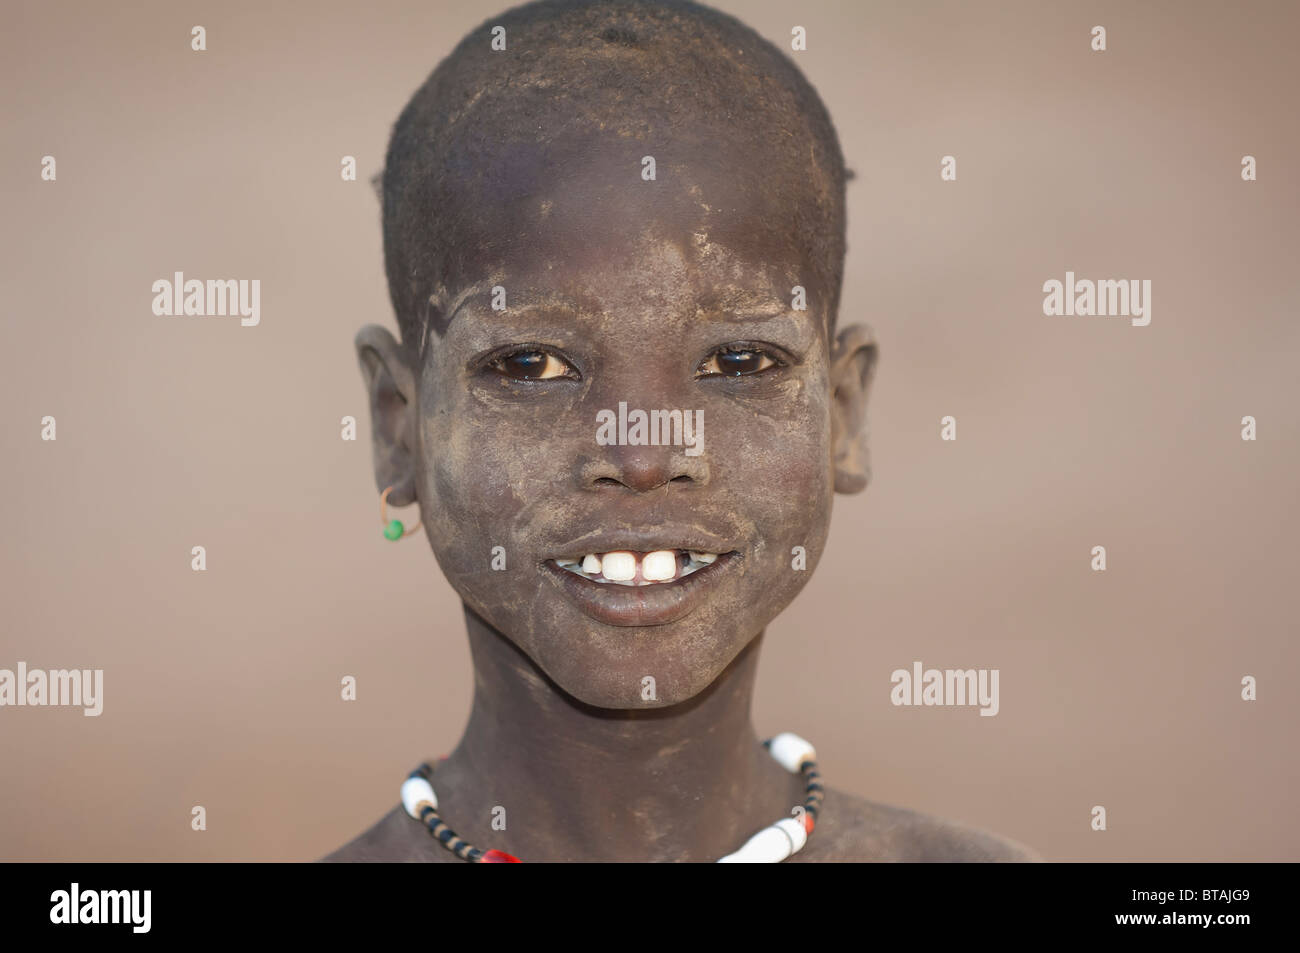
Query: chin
x,y
658,676
643,666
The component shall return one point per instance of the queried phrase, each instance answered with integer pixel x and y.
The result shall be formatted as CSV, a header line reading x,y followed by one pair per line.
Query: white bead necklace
x,y
771,845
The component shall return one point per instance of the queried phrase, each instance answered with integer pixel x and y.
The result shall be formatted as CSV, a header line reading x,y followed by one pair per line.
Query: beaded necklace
x,y
771,845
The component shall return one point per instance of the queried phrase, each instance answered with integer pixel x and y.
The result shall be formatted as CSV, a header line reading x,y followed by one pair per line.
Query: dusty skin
x,y
672,292
850,828
853,830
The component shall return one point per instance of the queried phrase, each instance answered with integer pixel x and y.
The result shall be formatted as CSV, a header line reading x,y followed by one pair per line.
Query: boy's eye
x,y
736,361
529,365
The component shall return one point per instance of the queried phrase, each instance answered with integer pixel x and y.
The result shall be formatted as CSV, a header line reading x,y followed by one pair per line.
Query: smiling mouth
x,y
627,567
642,588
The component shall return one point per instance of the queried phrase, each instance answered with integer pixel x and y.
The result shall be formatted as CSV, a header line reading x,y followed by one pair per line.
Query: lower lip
x,y
656,604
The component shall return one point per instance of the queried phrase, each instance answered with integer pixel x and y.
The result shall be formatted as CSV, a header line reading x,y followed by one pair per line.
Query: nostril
x,y
606,481
681,479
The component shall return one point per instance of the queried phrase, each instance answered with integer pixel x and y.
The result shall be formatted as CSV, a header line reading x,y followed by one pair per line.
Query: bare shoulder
x,y
396,838
851,828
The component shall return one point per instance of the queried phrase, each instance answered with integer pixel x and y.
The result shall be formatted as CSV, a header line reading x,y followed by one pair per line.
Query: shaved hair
x,y
475,148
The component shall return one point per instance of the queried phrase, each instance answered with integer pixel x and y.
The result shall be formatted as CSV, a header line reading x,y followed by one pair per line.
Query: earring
x,y
393,529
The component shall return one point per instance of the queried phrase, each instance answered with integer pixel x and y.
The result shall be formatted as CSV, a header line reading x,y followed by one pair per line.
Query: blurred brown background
x,y
222,688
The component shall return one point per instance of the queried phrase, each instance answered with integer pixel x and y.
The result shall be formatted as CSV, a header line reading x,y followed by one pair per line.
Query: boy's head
x,y
593,210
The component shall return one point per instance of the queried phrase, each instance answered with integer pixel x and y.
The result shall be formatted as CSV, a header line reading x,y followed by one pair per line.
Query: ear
x,y
853,364
389,375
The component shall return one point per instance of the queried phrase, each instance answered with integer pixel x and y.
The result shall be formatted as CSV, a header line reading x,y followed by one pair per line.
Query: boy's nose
x,y
642,468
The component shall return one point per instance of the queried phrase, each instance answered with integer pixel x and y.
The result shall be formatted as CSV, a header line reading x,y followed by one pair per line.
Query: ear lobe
x,y
853,365
390,385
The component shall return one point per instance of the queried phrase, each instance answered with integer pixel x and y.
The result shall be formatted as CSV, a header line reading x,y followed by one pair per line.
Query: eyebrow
x,y
438,324
732,304
739,304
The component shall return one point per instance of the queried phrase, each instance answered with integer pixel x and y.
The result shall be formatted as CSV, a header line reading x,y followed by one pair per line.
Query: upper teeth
x,y
626,568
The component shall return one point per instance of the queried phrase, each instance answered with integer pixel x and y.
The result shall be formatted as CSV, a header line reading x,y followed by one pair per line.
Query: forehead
x,y
602,222
652,277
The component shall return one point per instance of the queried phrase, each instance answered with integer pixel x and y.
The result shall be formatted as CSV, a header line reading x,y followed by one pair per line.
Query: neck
x,y
689,782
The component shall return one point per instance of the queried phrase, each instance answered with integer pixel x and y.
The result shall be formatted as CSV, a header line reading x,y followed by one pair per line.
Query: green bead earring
x,y
393,529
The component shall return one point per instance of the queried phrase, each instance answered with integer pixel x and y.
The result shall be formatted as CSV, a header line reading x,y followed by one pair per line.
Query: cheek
x,y
780,449
491,479
779,470
473,478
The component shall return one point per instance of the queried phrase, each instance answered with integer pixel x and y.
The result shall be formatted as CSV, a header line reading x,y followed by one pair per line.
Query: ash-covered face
x,y
528,432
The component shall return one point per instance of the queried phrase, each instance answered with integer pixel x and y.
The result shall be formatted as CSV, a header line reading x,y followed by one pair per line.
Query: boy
x,y
614,238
